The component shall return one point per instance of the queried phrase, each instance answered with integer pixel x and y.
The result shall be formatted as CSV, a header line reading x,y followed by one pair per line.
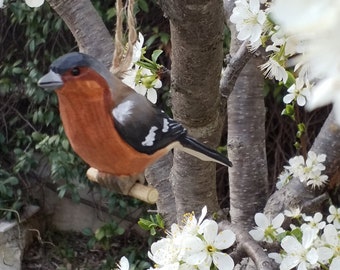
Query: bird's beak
x,y
51,81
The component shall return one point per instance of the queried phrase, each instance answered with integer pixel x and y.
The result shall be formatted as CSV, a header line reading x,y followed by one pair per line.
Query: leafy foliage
x,y
155,222
29,114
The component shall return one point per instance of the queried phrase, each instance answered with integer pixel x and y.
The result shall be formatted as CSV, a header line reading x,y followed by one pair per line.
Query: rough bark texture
x,y
246,129
246,146
158,176
297,194
87,27
196,37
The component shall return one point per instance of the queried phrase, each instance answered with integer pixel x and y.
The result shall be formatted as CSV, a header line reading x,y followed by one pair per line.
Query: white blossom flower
x,y
143,82
293,212
290,45
249,20
304,15
267,229
34,3
137,49
316,25
164,252
314,161
191,224
331,237
334,216
308,171
314,223
296,165
202,252
325,92
283,179
297,92
301,255
272,69
141,79
123,264
318,180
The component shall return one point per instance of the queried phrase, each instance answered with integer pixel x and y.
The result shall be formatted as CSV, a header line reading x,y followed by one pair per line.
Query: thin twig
x,y
233,69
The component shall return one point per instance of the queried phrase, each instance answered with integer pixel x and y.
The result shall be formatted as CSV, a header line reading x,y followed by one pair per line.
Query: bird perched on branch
x,y
109,125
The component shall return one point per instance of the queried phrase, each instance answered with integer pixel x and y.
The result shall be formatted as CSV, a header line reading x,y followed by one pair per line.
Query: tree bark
x,y
196,37
158,176
87,27
246,146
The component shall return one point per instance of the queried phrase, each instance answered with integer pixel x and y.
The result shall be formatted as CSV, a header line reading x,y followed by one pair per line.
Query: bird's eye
x,y
75,71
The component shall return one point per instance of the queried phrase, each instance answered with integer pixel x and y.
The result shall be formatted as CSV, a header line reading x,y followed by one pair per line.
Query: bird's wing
x,y
143,126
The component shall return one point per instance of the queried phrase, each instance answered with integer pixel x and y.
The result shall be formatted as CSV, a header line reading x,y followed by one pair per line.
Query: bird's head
x,y
73,67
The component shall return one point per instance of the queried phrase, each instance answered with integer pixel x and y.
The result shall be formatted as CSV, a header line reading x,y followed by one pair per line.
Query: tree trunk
x,y
246,146
87,27
196,38
158,176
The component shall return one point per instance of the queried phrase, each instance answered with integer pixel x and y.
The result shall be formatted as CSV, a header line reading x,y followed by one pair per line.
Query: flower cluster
x,y
142,75
196,245
300,37
315,244
308,171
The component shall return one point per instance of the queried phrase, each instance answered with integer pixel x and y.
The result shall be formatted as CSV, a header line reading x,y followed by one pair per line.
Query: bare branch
x,y
248,246
87,27
233,69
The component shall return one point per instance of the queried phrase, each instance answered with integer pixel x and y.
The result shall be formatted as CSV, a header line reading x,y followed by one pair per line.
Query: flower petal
x,y
203,214
278,220
223,261
261,220
151,94
34,3
224,239
124,263
291,245
210,231
289,262
335,265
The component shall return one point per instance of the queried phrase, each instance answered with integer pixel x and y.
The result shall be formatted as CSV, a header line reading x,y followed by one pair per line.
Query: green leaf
x,y
120,231
99,234
152,231
62,191
165,37
49,116
289,111
150,40
155,55
290,81
301,127
12,180
65,144
110,13
17,70
87,232
160,221
144,224
297,145
143,5
37,136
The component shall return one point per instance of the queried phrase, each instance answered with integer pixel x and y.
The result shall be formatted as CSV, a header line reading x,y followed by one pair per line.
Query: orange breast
x,y
89,126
